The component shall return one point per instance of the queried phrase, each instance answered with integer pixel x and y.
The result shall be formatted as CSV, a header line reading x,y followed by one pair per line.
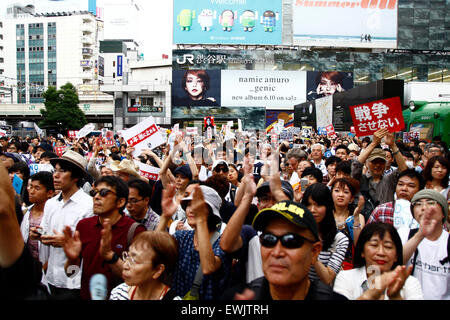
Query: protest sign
x,y
147,171
60,150
369,117
2,133
38,167
330,130
144,135
83,132
322,131
191,131
72,134
39,131
17,184
109,138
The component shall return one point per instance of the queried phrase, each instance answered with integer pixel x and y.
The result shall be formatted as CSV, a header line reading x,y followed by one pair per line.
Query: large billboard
x,y
345,23
238,88
245,78
227,22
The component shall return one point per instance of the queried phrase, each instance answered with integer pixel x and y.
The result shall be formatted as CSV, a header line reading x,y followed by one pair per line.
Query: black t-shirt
x,y
317,291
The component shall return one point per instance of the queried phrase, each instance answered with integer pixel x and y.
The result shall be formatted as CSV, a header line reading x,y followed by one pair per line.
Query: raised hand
x,y
169,207
198,206
72,243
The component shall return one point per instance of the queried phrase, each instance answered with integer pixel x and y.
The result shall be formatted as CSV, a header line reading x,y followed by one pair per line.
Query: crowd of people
x,y
241,218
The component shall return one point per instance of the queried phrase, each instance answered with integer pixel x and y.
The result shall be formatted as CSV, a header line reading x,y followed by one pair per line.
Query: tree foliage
x,y
61,110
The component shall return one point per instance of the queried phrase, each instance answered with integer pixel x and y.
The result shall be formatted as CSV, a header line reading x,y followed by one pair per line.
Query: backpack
x,y
412,232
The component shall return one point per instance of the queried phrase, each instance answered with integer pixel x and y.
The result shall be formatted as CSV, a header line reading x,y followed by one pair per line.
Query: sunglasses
x,y
103,192
216,169
288,240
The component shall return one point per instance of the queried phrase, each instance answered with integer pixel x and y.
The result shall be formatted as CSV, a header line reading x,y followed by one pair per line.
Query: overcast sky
x,y
154,26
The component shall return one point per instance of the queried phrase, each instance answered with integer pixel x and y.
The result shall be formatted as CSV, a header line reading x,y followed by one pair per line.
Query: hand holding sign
x,y
144,135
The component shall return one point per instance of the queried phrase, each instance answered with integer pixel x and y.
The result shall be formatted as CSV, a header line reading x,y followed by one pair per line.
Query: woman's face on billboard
x,y
327,87
194,87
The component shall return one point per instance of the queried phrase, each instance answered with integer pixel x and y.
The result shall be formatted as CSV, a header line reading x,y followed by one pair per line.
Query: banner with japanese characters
x,y
369,117
147,171
144,135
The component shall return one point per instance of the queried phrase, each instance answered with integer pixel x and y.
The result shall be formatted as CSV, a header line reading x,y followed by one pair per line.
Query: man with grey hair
x,y
294,157
317,152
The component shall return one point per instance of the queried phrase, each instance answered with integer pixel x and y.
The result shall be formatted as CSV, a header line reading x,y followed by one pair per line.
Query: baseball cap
x,y
377,153
212,199
294,212
184,170
15,156
219,162
285,186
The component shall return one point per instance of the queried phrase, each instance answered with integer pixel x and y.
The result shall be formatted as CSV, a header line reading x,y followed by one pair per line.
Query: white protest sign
x,y
147,171
144,135
83,132
191,130
38,130
38,167
239,125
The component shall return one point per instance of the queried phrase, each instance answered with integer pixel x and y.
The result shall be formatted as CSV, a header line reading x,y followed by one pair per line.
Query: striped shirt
x,y
121,292
333,257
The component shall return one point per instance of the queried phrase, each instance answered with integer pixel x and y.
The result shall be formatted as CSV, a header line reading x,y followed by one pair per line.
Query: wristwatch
x,y
113,260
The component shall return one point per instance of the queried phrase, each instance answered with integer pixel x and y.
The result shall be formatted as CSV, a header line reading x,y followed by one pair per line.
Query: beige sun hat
x,y
72,157
127,166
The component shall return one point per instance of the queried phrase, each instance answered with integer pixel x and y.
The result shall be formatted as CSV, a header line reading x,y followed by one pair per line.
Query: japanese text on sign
x,y
142,136
370,117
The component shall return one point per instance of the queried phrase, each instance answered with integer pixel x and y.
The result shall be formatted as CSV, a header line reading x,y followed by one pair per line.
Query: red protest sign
x,y
369,117
330,130
72,133
59,150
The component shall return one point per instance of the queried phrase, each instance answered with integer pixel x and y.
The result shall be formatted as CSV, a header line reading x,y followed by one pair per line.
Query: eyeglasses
x,y
420,204
103,192
128,257
220,170
134,201
288,240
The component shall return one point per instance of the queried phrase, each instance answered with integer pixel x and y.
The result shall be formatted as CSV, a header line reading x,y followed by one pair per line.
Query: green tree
x,y
61,110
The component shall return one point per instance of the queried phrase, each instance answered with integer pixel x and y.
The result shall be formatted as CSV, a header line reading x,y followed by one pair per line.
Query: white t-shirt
x,y
432,275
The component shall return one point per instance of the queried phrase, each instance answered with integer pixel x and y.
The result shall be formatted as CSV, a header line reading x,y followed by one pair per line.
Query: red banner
x,y
149,175
369,117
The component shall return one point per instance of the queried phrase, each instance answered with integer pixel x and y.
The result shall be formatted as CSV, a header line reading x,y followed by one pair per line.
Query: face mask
x,y
410,164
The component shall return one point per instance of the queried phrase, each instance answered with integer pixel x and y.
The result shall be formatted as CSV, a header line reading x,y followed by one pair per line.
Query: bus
x,y
430,119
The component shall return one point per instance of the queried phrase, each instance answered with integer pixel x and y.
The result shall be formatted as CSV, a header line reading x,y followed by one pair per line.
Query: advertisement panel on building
x,y
262,88
119,65
227,22
345,23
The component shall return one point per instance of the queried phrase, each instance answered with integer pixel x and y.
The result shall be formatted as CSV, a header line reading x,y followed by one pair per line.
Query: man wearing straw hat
x,y
65,209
